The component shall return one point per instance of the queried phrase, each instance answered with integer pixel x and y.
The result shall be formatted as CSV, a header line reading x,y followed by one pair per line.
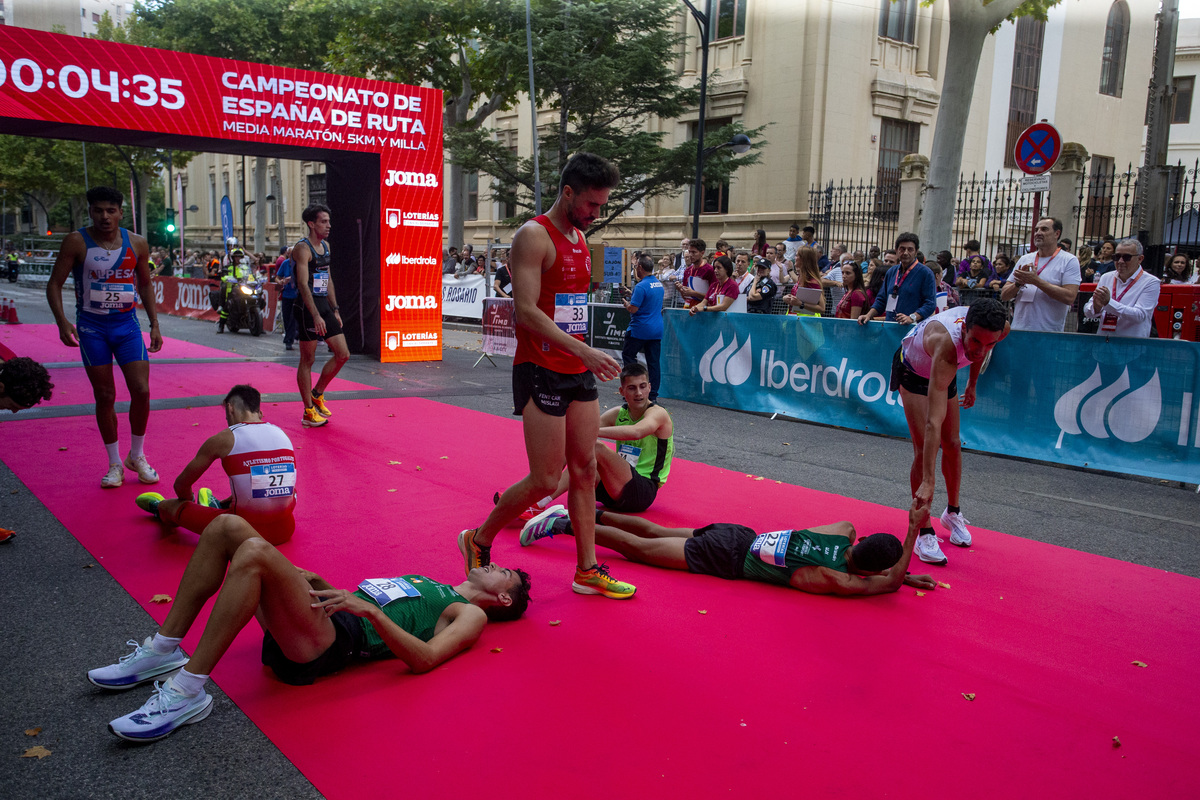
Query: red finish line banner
x,y
71,80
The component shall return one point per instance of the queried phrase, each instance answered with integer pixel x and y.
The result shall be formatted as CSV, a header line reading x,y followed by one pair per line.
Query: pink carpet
x,y
71,384
769,693
41,343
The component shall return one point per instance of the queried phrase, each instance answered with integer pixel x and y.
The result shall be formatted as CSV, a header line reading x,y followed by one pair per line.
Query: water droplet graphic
x,y
1091,416
719,361
1135,416
1067,407
739,365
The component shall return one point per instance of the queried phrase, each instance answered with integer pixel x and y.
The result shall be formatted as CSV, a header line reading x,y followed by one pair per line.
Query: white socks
x,y
135,449
164,644
113,456
187,684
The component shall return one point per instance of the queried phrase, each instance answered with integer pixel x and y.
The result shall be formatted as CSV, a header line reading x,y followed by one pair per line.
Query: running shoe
x,y
597,581
319,405
957,525
149,501
474,555
114,478
313,419
141,466
205,497
929,549
542,525
6,535
141,666
165,711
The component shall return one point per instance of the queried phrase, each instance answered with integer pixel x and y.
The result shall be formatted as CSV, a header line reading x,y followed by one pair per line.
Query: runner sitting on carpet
x,y
23,383
820,560
310,628
628,478
258,458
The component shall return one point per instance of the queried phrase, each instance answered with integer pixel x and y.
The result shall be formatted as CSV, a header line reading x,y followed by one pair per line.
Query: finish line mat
x,y
697,687
41,343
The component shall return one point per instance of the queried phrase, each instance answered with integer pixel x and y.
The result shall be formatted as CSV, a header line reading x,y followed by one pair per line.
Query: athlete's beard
x,y
578,221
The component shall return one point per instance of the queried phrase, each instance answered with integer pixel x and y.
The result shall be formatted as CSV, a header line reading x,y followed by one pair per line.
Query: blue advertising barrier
x,y
1113,404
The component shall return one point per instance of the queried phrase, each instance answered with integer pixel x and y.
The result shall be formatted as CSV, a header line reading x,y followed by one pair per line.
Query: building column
x,y
1065,176
914,172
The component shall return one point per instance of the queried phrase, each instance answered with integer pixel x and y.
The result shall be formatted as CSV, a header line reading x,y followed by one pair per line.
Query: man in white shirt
x,y
1125,298
1044,282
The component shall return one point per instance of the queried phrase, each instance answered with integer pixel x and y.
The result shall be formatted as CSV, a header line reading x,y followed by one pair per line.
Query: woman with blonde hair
x,y
808,276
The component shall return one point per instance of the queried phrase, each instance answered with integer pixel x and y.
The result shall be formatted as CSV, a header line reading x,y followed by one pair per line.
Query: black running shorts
x,y
351,640
903,376
550,391
308,325
719,549
635,497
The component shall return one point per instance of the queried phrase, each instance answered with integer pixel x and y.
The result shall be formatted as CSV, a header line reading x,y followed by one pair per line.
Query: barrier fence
x,y
188,297
1112,404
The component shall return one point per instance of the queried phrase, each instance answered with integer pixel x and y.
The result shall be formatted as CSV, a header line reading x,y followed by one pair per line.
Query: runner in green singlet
x,y
310,628
826,559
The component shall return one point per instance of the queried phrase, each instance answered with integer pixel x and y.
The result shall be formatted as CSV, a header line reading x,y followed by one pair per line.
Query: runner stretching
x,y
826,559
317,315
554,371
109,264
310,628
258,458
924,370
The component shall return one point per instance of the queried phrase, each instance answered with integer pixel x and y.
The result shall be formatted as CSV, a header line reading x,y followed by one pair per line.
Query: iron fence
x,y
994,211
856,215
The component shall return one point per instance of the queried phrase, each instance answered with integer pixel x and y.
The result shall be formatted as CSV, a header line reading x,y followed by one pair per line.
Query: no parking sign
x,y
1038,147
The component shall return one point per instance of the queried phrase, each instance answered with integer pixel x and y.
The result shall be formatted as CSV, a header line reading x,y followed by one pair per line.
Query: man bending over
x,y
310,629
825,559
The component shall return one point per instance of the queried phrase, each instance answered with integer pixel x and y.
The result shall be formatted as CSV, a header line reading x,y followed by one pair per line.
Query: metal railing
x,y
856,215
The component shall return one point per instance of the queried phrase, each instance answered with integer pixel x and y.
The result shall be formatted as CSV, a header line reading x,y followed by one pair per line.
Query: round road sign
x,y
1038,147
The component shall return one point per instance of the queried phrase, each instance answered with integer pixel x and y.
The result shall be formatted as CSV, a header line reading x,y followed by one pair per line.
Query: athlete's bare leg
x,y
341,354
951,452
614,471
658,552
583,424
308,355
137,378
105,393
916,413
641,527
545,449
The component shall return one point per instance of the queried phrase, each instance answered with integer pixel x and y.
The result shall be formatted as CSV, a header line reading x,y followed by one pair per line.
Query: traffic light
x,y
170,220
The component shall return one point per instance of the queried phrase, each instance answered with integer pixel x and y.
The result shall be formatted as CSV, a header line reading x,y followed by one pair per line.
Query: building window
x,y
212,200
897,139
272,205
898,20
715,196
1098,210
729,19
1112,58
317,189
1183,99
225,184
508,210
1026,76
472,199
95,17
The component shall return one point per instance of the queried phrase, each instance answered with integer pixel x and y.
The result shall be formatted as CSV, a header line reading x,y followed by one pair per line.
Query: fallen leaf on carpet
x,y
418,469
393,462
943,584
194,424
88,566
970,696
161,598
391,415
1139,663
556,622
703,612
444,456
779,481
61,449
497,649
787,444
920,594
1116,741
32,731
743,724
391,490
38,752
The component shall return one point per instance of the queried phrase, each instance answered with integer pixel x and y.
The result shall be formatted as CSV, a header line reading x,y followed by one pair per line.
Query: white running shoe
x,y
542,525
114,478
141,466
141,666
929,549
956,523
165,711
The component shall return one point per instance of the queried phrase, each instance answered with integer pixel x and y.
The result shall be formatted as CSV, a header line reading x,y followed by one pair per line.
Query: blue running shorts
x,y
103,337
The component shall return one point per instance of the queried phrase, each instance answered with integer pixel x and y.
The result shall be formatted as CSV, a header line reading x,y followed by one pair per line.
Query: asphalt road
x,y
62,617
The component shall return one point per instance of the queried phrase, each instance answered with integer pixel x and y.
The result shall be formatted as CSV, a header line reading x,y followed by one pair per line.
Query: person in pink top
x,y
855,297
723,289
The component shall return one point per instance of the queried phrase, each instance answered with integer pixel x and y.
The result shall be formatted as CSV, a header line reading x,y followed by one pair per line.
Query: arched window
x,y
1116,42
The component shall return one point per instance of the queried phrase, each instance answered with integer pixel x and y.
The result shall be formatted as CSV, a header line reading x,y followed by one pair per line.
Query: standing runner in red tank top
x,y
570,274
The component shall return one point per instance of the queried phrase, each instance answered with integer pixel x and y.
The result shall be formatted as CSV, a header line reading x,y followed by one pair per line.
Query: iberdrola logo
x,y
1128,416
727,365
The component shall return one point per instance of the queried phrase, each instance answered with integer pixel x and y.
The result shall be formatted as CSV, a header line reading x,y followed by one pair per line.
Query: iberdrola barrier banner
x,y
1113,404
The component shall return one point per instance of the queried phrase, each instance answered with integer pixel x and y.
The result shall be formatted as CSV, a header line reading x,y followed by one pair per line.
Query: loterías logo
x,y
1128,416
728,365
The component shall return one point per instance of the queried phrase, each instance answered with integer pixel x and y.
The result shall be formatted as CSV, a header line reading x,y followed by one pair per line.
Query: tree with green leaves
x,y
971,22
607,70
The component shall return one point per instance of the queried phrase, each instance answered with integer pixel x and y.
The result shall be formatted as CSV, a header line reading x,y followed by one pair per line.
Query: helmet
x,y
237,251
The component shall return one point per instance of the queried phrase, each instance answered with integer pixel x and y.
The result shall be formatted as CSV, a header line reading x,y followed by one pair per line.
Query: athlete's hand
x,y
156,340
601,364
338,316
967,399
68,335
920,581
340,600
320,325
922,500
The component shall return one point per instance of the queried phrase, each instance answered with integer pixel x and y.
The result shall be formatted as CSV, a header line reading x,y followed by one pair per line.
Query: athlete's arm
x,y
967,399
146,290
609,418
217,446
942,373
337,312
457,629
73,251
651,422
532,253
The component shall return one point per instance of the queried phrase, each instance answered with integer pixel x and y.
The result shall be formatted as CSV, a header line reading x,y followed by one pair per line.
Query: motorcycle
x,y
244,305
13,267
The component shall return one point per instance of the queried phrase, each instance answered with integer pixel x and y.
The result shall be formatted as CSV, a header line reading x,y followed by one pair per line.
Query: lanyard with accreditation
x,y
1027,297
1109,322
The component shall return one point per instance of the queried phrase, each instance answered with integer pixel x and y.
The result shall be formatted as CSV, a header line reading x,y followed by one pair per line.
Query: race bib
x,y
273,480
630,453
570,313
110,296
891,303
1109,323
771,548
387,590
320,285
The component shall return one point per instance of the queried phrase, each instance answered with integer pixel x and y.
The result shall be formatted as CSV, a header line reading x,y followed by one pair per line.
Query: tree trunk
x,y
970,24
